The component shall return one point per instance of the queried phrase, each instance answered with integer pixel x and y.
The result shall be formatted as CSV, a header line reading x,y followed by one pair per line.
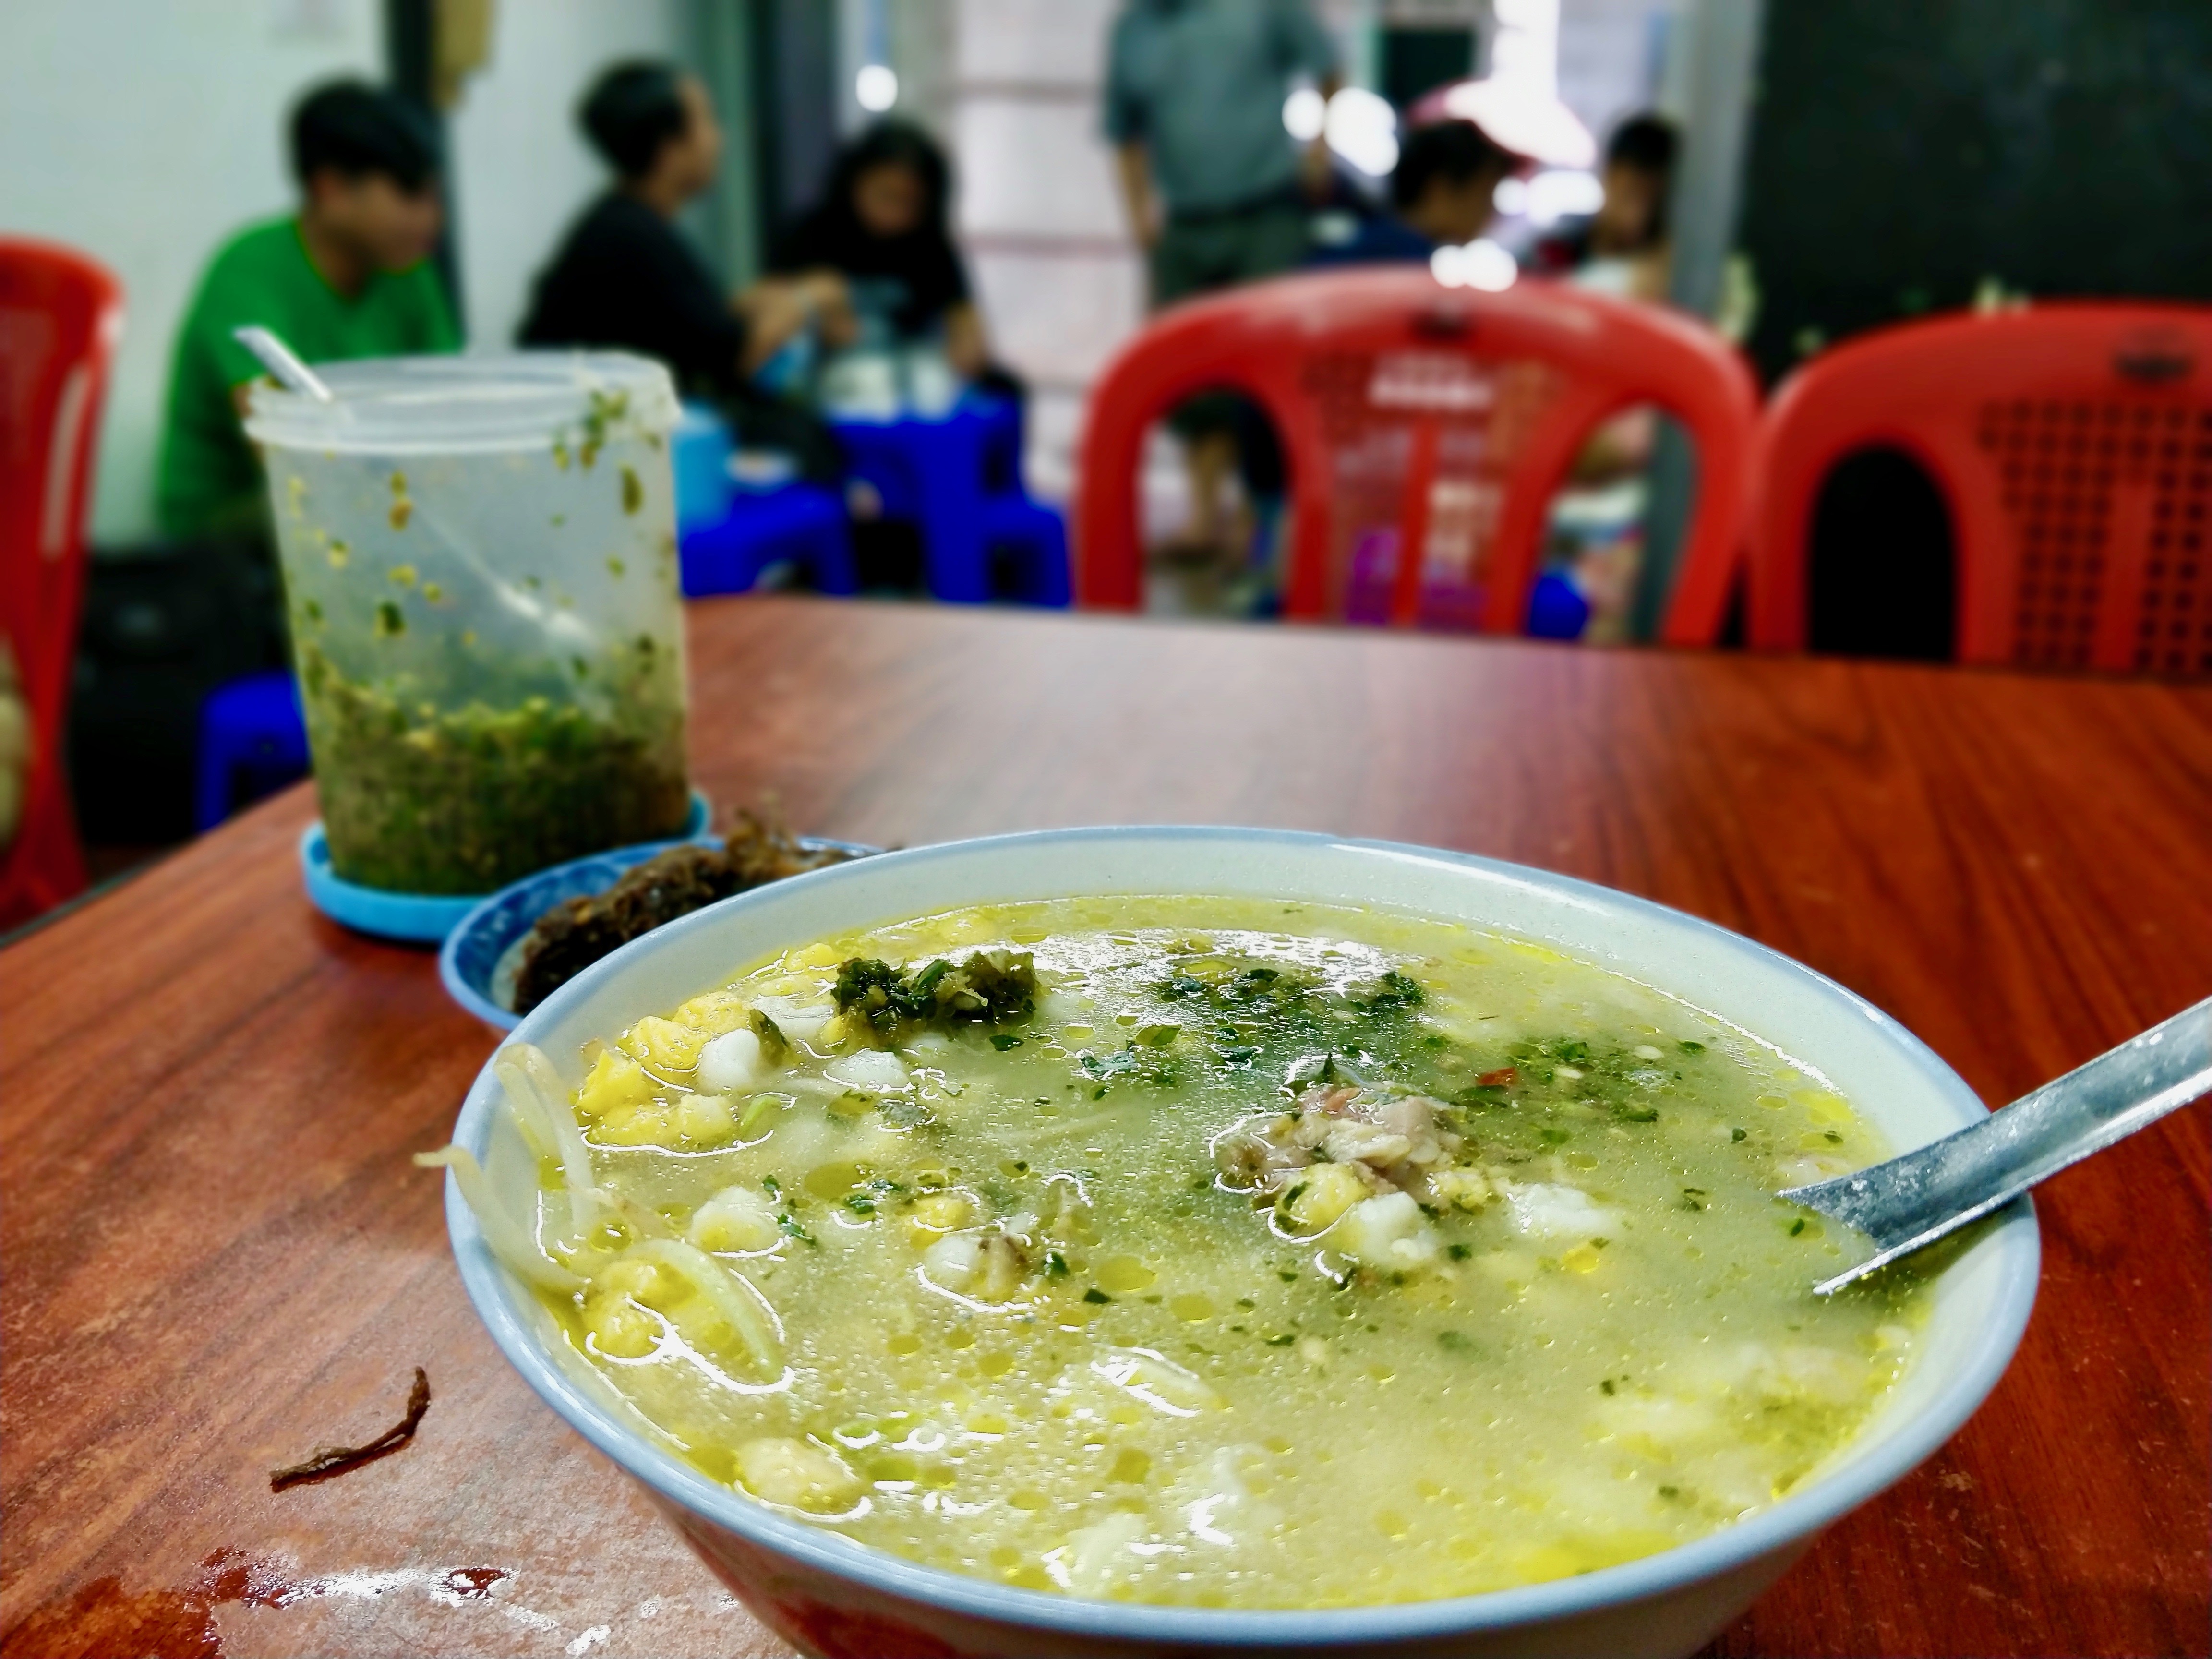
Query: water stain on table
x,y
101,1618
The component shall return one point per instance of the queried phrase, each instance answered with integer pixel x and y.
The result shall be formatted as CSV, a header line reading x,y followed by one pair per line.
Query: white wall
x,y
145,132
521,168
1057,275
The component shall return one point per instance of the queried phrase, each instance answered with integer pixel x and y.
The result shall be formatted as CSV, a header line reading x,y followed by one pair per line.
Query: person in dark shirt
x,y
626,278
1443,194
881,228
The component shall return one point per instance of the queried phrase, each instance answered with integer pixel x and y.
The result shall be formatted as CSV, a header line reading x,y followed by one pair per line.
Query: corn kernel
x,y
619,1328
664,1044
706,1119
1321,1195
934,1214
615,1080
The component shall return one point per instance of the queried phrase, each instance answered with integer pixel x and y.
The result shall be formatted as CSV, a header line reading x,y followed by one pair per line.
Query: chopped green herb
x,y
1003,1041
1095,1295
992,987
464,797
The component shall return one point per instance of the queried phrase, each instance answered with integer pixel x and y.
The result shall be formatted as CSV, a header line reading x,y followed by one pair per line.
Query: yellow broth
x,y
1282,1256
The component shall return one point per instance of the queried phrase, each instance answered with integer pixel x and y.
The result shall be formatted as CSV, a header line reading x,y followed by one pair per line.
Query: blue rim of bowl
x,y
474,947
1791,1523
412,918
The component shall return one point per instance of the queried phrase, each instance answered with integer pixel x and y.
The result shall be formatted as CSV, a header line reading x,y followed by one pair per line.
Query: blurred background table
x,y
219,1258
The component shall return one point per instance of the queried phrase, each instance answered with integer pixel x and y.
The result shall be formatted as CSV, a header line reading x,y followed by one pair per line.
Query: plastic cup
x,y
479,558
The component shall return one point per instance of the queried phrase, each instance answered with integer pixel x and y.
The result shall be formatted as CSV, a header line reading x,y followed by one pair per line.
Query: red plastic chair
x,y
1414,414
60,317
2072,444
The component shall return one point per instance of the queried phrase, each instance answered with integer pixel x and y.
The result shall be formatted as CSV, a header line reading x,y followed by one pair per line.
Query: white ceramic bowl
x,y
833,1596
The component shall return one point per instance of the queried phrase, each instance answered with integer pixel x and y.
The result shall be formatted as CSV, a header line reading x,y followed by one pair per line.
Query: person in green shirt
x,y
348,276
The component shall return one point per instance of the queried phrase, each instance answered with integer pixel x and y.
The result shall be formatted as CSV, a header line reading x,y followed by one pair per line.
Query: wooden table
x,y
217,1257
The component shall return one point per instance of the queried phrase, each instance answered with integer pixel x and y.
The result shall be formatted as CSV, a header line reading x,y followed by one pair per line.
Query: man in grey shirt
x,y
1194,92
1215,188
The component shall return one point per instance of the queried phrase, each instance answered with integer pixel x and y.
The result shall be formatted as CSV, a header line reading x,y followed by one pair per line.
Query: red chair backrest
x,y
60,317
1413,416
2072,444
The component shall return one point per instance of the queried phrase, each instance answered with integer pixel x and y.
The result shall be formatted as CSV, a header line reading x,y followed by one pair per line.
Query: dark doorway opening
x,y
1882,578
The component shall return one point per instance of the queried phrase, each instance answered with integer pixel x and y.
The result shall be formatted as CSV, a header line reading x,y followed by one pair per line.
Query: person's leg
x,y
1189,260
1266,242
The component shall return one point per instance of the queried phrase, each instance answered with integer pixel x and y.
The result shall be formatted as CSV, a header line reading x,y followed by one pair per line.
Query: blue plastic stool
x,y
957,478
802,522
252,725
1037,536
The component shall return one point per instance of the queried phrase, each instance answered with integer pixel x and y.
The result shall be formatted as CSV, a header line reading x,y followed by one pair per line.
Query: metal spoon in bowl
x,y
1915,1199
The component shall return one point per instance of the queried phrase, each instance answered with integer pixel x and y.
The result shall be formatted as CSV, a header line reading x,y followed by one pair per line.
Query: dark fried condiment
x,y
576,932
337,1460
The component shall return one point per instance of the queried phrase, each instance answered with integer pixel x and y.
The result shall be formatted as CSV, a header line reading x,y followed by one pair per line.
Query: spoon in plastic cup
x,y
281,361
1915,1199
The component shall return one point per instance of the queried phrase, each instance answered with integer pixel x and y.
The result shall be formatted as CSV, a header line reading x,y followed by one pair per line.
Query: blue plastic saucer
x,y
414,918
470,962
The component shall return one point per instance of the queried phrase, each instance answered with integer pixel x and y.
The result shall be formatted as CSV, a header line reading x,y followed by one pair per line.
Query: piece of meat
x,y
1392,1142
1259,1157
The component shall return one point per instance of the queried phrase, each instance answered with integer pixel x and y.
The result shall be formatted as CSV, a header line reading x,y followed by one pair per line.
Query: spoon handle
x,y
281,361
1911,1201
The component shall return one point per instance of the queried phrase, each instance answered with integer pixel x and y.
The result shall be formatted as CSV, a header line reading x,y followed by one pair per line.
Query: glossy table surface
x,y
218,1257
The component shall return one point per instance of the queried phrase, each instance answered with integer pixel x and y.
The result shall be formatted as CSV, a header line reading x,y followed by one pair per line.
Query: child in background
x,y
1622,248
1443,194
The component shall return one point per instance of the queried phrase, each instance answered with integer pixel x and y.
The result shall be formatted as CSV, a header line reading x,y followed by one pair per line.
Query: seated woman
x,y
881,228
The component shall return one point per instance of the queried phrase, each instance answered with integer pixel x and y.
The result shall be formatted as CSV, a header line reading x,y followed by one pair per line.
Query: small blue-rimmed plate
x,y
481,954
414,918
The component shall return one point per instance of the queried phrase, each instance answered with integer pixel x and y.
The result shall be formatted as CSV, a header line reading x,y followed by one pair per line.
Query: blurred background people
x,y
1622,247
1217,192
1443,193
880,231
626,276
349,275
1215,188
